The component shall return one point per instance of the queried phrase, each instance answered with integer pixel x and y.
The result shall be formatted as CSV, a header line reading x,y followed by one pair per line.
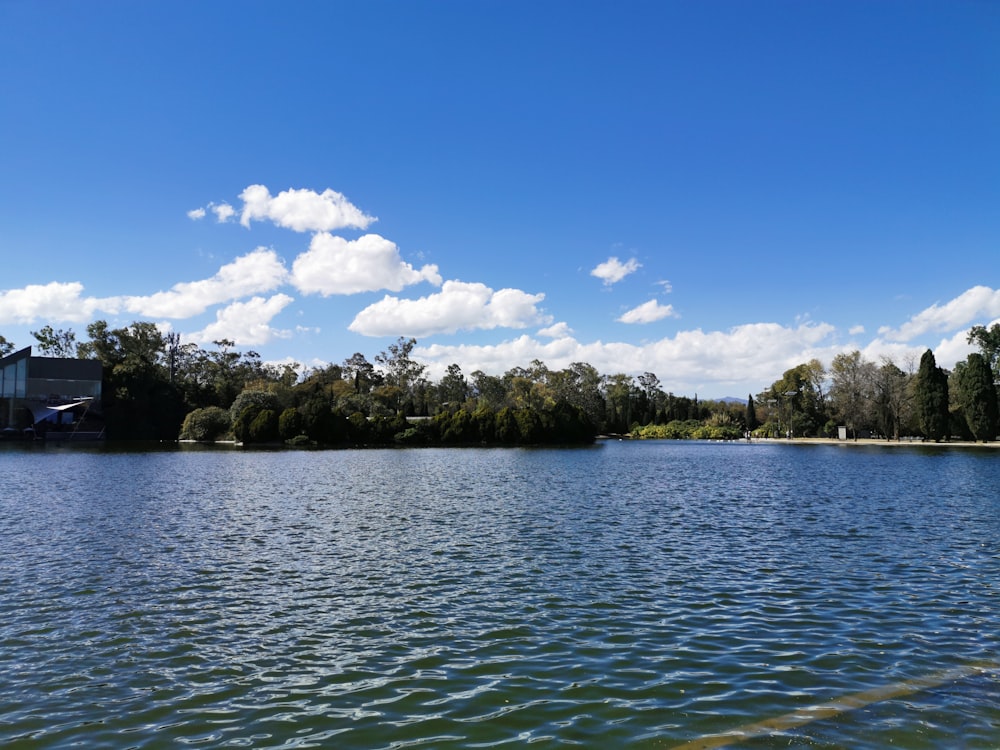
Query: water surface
x,y
625,595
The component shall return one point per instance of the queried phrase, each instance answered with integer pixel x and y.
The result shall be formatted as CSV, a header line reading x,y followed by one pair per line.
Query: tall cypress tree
x,y
932,398
978,397
751,415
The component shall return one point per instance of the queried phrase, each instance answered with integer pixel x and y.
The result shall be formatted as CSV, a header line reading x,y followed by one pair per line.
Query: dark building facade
x,y
48,393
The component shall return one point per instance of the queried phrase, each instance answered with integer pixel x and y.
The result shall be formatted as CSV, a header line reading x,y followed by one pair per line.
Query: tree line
x,y
156,387
887,400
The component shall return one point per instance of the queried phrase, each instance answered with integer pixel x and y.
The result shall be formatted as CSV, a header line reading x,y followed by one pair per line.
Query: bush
x,y
506,427
254,400
460,429
410,436
205,425
358,430
569,424
264,427
289,424
301,441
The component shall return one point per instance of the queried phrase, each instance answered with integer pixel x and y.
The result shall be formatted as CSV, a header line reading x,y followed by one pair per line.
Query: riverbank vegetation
x,y
155,387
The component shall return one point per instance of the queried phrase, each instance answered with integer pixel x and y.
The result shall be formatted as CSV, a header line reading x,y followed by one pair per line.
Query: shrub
x,y
529,425
254,400
205,425
289,424
264,427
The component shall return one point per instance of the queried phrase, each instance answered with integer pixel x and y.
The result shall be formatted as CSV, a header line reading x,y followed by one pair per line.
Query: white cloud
x,y
558,331
246,323
52,303
302,210
613,270
856,330
333,265
256,272
223,212
458,306
667,286
972,304
947,352
746,356
648,312
952,349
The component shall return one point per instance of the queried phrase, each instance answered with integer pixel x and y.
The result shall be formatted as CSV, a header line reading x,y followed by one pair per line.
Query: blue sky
x,y
711,191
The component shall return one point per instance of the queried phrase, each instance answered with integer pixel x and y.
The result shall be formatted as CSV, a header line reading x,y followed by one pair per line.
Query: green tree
x,y
988,341
453,388
361,373
569,424
139,401
52,343
529,426
580,385
205,425
852,392
978,397
290,423
797,400
358,428
460,429
400,370
264,427
750,417
254,401
620,394
320,422
488,390
523,390
485,421
507,430
931,398
6,347
892,398
649,398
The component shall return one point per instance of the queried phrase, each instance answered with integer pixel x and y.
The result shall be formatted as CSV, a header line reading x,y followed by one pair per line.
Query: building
x,y
50,396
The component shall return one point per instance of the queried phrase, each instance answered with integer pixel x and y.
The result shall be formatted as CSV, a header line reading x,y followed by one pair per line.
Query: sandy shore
x,y
883,443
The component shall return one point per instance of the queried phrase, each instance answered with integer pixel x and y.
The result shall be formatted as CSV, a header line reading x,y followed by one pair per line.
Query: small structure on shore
x,y
53,397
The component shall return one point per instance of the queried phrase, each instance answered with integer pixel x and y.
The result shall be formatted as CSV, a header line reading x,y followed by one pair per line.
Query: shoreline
x,y
915,442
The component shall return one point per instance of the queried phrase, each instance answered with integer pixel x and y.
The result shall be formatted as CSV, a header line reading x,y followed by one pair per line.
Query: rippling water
x,y
627,595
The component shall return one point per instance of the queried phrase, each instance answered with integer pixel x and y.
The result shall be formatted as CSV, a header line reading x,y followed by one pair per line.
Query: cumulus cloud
x,y
302,210
952,349
334,265
53,302
223,212
557,331
856,330
246,323
972,304
458,306
648,312
686,362
256,272
613,270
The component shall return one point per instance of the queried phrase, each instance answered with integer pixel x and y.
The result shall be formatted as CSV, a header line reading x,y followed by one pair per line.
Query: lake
x,y
629,594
